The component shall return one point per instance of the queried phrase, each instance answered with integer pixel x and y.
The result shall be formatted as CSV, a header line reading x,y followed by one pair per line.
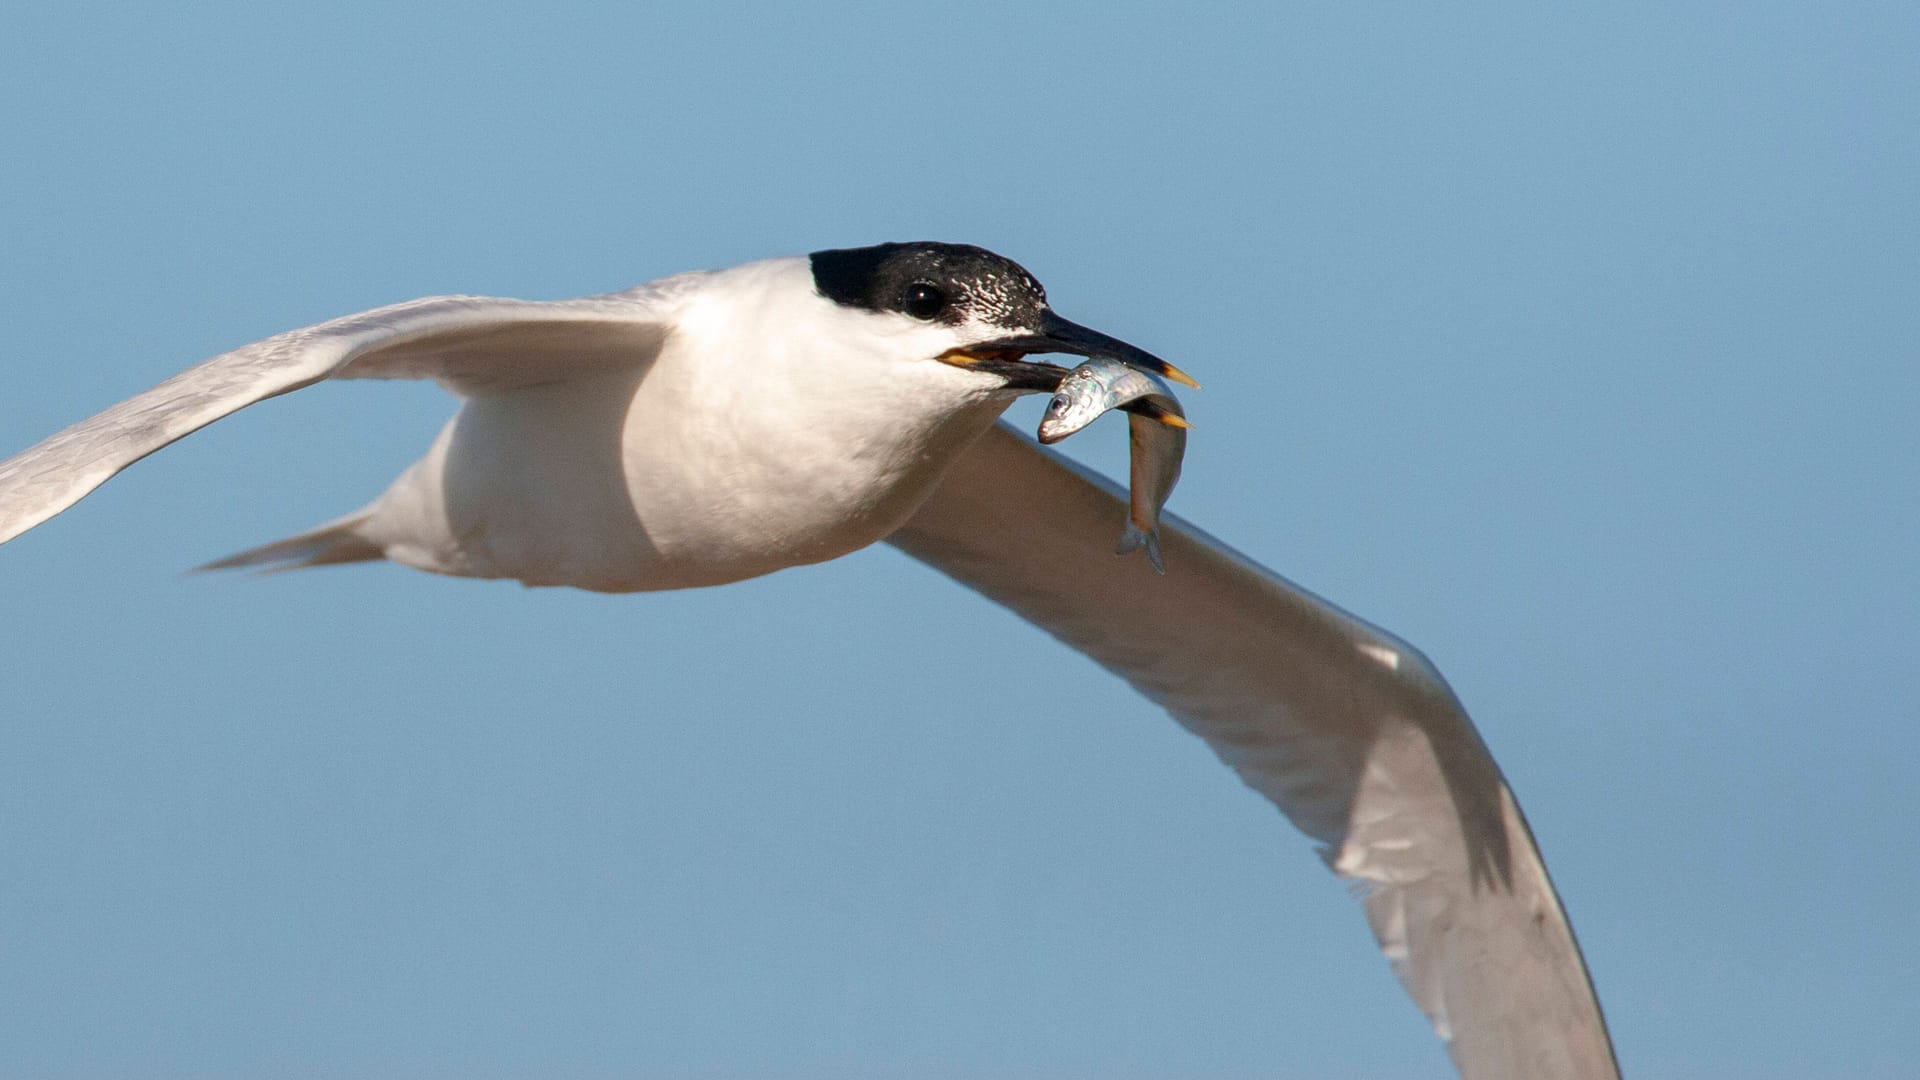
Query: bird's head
x,y
968,307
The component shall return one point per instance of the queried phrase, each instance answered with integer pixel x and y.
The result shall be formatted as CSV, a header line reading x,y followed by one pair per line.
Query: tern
x,y
719,425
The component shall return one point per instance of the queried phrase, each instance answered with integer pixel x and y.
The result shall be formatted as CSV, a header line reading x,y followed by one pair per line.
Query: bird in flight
x,y
715,426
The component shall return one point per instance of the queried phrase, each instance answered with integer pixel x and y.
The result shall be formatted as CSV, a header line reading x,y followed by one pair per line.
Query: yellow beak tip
x,y
1182,377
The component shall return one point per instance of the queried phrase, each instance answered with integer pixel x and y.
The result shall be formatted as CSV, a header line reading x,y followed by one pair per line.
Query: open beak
x,y
1004,356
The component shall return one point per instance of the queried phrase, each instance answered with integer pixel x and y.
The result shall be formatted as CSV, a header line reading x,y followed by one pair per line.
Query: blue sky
x,y
1577,346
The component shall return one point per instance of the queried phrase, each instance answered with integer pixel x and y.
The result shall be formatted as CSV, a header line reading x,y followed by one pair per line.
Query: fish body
x,y
1097,387
1157,439
1156,449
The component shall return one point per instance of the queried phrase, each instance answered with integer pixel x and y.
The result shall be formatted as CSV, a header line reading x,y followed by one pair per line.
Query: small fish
x,y
1099,385
1157,439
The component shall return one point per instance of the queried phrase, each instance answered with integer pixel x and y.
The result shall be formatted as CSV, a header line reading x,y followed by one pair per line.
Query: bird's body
x,y
715,426
729,449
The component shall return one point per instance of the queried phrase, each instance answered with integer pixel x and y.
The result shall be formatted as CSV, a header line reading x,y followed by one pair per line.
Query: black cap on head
x,y
948,283
955,283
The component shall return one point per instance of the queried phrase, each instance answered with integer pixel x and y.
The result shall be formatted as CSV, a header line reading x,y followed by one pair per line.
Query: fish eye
x,y
1058,404
923,301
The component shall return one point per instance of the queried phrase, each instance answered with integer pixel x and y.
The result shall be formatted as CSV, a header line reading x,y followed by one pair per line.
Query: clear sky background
x,y
1578,347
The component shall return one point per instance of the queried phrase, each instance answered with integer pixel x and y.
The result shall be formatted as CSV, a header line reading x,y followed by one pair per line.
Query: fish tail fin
x,y
1134,537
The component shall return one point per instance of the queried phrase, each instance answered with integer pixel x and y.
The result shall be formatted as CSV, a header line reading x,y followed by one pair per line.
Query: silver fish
x,y
1101,384
1157,439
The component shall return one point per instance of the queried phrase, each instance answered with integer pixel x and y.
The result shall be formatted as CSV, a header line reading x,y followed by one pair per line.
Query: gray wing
x,y
1350,731
467,342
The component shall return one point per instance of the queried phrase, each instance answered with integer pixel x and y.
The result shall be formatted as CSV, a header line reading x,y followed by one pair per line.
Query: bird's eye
x,y
923,301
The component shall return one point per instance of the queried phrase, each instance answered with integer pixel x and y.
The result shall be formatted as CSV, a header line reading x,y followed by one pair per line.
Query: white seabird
x,y
710,427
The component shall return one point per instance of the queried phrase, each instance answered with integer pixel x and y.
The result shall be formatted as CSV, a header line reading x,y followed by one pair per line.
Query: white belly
x,y
672,477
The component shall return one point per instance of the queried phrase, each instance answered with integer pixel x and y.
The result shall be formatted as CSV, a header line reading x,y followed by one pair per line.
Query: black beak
x,y
1057,335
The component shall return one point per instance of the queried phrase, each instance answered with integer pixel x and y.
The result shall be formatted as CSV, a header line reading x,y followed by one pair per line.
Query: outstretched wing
x,y
467,342
1350,731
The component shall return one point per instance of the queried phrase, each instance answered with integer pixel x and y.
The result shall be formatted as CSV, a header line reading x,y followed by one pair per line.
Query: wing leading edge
x,y
467,342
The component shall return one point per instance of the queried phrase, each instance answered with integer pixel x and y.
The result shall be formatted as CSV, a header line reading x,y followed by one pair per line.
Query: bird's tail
x,y
338,541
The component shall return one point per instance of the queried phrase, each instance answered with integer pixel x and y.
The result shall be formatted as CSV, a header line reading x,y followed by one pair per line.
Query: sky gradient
x,y
1576,347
